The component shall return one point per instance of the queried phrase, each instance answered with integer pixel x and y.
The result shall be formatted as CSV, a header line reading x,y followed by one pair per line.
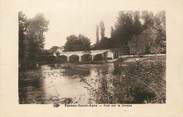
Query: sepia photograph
x,y
103,57
87,58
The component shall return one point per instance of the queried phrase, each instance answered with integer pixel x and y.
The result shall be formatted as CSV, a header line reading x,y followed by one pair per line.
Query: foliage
x,y
137,33
128,24
104,43
22,33
102,29
53,49
31,38
74,43
145,79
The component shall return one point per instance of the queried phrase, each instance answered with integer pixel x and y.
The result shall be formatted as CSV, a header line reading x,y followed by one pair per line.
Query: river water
x,y
128,82
66,83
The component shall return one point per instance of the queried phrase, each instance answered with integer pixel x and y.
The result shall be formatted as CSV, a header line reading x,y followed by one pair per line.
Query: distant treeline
x,y
137,33
134,33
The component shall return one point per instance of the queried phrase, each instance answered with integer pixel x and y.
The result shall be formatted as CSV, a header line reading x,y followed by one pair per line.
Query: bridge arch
x,y
86,58
74,59
98,57
62,58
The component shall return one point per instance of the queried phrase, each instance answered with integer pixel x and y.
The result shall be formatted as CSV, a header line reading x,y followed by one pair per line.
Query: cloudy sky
x,y
75,16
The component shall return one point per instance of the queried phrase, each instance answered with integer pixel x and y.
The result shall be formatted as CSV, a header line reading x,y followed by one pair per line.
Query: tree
x,y
148,18
143,42
97,34
128,24
135,33
84,41
36,28
74,43
38,25
137,25
160,26
102,29
31,38
71,43
104,43
152,37
23,22
53,49
156,25
112,31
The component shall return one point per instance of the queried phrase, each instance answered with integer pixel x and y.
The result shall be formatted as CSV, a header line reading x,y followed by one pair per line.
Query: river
x,y
135,80
66,83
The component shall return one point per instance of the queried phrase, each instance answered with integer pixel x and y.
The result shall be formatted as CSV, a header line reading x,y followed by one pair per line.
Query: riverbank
x,y
127,80
141,80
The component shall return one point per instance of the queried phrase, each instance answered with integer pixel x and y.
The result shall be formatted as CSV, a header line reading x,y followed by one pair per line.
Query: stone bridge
x,y
84,56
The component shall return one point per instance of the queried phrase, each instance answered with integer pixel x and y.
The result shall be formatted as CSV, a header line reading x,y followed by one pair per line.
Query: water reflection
x,y
59,82
30,87
132,82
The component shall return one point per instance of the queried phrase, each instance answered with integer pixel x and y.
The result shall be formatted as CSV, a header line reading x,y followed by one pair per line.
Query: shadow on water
x,y
70,71
111,83
30,88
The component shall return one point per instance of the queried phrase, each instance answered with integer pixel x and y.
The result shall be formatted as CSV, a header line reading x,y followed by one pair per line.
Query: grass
x,y
137,80
142,81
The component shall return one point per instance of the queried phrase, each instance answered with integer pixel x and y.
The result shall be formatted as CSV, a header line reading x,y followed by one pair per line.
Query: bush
x,y
141,82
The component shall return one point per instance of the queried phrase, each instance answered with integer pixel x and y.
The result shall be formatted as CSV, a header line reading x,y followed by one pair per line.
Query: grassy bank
x,y
140,80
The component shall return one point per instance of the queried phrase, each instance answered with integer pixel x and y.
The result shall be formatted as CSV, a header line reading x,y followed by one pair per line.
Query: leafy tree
x,y
112,31
148,18
74,43
137,25
54,48
160,27
128,24
23,22
38,25
135,33
143,42
84,41
71,43
31,38
104,43
152,37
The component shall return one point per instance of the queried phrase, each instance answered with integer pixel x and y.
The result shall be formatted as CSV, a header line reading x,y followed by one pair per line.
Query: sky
x,y
68,17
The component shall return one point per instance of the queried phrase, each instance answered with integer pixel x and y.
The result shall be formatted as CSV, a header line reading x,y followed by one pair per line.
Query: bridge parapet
x,y
93,53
